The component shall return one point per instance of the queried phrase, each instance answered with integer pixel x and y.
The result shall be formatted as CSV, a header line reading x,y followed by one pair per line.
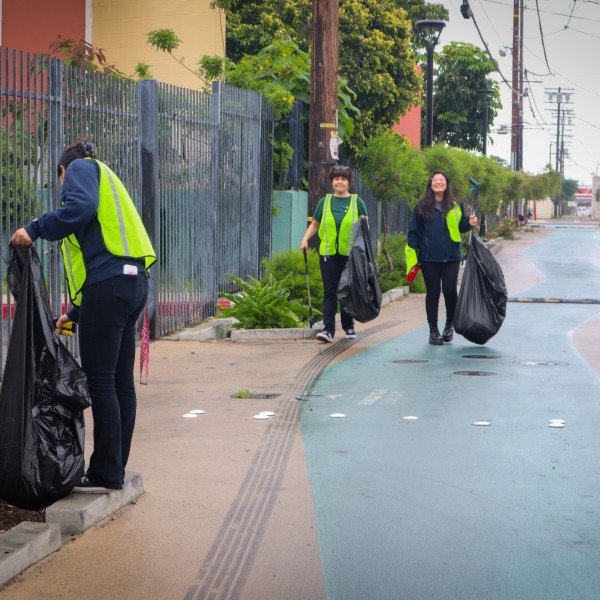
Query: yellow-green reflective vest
x,y
122,231
328,231
452,220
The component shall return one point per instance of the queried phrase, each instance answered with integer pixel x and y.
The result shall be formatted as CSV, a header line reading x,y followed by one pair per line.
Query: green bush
x,y
263,305
288,268
506,230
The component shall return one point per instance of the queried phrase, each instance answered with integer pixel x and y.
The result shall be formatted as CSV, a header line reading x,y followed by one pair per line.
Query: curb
x,y
24,545
28,543
217,328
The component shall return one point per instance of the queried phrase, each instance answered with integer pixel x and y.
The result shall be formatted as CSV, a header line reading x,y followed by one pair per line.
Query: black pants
x,y
440,277
331,272
107,318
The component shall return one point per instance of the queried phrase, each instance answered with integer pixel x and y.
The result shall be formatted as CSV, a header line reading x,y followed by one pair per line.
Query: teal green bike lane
x,y
439,507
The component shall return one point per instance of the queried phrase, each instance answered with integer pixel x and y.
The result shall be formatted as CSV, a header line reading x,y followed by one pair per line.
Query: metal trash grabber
x,y
311,319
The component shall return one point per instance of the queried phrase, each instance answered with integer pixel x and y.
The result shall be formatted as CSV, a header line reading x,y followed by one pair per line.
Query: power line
x,y
542,35
549,12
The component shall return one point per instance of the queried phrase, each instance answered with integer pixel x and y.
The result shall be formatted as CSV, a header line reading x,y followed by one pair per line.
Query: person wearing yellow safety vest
x,y
107,254
334,216
434,243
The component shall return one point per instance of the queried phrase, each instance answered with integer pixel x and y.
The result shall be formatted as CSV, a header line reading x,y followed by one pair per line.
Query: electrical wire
x,y
542,34
548,12
487,49
572,9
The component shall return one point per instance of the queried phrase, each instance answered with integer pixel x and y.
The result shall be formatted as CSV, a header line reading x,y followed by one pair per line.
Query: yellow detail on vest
x,y
122,230
411,257
452,220
330,244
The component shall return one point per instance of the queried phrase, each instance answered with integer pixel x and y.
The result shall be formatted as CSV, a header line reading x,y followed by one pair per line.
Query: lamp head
x,y
429,31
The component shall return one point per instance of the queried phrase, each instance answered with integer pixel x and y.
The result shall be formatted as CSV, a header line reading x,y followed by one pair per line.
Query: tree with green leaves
x,y
463,72
568,189
375,50
394,172
279,71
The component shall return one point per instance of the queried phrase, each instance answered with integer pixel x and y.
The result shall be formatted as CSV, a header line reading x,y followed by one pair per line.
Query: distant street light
x,y
486,93
429,32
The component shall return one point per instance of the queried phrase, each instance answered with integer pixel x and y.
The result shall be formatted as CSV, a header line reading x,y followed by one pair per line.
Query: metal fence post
x,y
215,187
148,103
56,144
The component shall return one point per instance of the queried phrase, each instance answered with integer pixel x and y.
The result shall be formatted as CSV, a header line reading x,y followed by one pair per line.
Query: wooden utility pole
x,y
516,147
323,97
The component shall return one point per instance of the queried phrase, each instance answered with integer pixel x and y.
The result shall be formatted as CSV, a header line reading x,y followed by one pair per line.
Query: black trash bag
x,y
44,392
358,291
482,298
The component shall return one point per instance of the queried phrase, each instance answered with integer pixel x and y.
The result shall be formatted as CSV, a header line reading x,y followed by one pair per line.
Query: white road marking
x,y
373,397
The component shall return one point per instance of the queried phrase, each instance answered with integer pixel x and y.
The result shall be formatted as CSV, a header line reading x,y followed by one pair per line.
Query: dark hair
x,y
340,171
82,149
426,204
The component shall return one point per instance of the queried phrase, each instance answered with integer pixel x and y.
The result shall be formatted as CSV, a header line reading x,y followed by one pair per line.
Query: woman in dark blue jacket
x,y
434,242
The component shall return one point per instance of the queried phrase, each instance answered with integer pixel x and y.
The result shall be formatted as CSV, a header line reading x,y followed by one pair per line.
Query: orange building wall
x,y
410,126
32,25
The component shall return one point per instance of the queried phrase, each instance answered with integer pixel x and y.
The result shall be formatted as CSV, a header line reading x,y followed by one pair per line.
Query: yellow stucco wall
x,y
120,28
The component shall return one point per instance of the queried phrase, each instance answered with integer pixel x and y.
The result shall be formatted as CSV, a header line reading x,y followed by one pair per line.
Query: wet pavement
x,y
448,476
371,505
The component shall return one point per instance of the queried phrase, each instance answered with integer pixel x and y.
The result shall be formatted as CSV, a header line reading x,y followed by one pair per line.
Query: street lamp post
x,y
485,93
429,32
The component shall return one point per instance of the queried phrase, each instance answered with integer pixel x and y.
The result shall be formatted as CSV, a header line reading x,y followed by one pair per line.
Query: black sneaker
x,y
324,336
350,333
85,486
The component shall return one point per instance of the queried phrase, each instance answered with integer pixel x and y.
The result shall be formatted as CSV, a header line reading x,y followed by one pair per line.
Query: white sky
x,y
571,35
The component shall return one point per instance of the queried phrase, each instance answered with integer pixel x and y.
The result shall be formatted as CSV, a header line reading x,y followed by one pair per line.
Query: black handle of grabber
x,y
475,190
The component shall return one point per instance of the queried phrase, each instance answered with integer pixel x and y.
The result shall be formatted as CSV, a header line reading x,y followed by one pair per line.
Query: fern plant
x,y
263,305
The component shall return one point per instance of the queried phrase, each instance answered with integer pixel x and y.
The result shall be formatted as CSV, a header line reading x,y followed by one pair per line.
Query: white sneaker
x,y
350,333
324,336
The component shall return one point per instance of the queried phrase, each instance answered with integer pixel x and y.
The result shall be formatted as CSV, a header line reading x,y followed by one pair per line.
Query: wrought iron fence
x,y
198,166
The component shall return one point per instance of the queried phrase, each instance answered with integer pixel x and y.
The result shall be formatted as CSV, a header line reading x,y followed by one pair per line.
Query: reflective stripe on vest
x,y
122,231
330,244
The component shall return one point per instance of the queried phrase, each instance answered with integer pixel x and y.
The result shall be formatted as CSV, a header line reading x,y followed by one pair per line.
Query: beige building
x,y
119,27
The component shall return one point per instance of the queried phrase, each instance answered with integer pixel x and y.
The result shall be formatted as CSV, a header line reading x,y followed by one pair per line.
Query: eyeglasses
x,y
437,179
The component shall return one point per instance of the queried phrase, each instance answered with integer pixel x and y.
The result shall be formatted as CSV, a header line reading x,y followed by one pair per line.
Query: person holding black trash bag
x,y
434,243
334,216
107,254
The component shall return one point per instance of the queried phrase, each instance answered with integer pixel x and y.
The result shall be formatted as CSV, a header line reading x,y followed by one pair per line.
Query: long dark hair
x,y
426,204
82,149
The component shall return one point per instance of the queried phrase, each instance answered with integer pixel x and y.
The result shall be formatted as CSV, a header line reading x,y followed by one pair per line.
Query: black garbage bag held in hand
x,y
44,392
359,291
482,298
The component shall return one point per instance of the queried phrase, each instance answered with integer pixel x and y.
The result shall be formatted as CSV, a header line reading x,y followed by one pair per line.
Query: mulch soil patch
x,y
10,516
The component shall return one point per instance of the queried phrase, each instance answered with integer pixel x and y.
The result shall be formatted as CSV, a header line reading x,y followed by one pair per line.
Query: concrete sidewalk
x,y
27,544
226,495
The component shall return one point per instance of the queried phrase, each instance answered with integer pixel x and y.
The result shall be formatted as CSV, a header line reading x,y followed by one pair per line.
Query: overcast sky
x,y
567,58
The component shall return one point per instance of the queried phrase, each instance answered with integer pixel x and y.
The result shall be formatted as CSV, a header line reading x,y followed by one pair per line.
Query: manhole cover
x,y
537,363
475,373
409,361
481,356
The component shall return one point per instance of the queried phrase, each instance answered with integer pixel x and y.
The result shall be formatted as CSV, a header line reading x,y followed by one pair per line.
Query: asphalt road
x,y
439,507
